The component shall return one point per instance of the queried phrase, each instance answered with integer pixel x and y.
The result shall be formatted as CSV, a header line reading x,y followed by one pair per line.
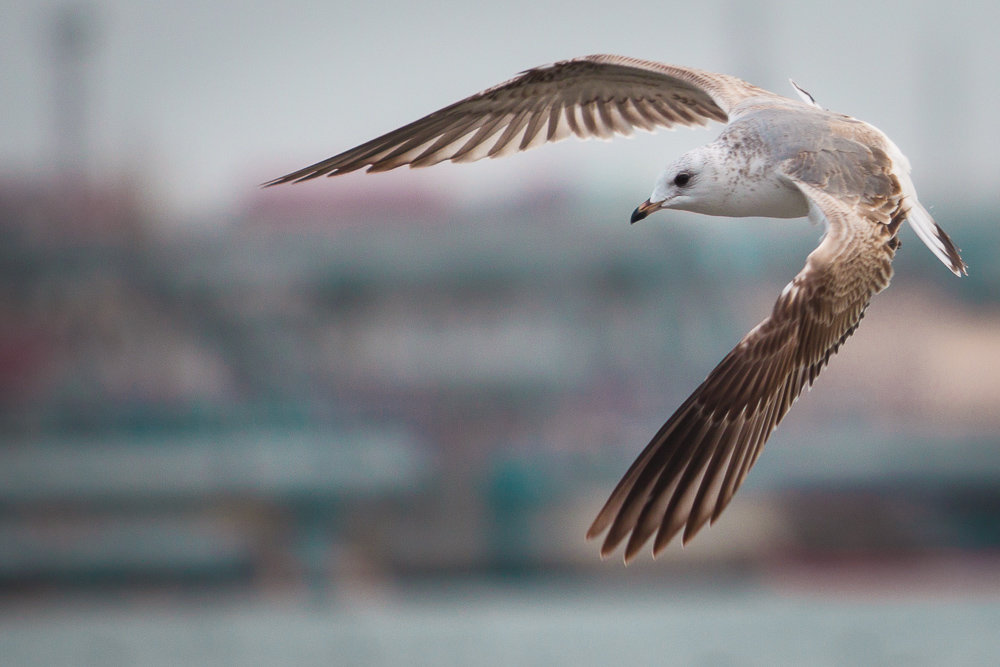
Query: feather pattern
x,y
692,467
594,96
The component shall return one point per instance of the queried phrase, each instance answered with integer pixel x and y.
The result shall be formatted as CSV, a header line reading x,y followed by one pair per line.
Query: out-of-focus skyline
x,y
200,102
369,420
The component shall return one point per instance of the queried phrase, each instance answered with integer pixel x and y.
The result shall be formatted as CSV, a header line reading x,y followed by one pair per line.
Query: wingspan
x,y
593,96
692,467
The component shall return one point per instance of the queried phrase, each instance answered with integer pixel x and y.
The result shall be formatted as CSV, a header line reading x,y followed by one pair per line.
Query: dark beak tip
x,y
637,215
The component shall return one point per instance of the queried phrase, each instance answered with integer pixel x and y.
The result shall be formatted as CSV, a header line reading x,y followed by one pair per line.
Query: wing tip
x,y
634,547
274,181
300,176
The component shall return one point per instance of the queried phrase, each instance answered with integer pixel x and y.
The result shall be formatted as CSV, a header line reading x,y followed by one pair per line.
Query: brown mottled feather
x,y
690,470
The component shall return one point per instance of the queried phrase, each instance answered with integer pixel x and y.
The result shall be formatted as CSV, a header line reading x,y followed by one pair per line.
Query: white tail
x,y
934,237
920,220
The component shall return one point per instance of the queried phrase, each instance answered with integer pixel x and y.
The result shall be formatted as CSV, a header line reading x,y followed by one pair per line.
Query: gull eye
x,y
682,179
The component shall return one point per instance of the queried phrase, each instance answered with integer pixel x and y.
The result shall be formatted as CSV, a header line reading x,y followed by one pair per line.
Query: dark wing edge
x,y
594,96
690,470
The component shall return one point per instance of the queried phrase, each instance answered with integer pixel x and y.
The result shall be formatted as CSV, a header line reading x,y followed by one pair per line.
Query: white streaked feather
x,y
927,230
918,218
804,95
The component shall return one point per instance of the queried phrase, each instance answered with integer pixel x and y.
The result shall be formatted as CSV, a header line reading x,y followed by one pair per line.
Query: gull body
x,y
776,157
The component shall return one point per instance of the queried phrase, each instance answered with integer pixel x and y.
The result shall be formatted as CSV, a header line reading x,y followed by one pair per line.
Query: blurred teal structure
x,y
427,392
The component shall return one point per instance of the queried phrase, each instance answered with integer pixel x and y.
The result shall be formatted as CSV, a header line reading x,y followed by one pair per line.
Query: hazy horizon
x,y
198,103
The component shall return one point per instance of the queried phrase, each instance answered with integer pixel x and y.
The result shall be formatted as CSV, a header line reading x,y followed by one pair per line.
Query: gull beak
x,y
644,209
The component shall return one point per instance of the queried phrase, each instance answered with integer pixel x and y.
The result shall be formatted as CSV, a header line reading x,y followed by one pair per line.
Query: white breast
x,y
752,193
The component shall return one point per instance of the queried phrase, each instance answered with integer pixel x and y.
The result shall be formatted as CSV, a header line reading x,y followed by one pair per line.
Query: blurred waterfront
x,y
368,421
534,624
330,405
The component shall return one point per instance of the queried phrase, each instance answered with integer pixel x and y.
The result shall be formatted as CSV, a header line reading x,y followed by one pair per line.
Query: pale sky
x,y
204,100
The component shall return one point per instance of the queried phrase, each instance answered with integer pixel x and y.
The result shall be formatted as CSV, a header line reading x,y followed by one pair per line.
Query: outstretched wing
x,y
593,96
689,472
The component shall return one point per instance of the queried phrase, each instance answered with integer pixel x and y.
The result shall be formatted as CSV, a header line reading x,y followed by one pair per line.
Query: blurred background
x,y
368,420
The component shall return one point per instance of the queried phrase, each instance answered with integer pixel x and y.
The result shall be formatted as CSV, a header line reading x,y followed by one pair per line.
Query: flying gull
x,y
776,157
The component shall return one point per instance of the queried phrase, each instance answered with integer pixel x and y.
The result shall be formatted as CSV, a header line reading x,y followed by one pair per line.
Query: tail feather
x,y
935,238
920,220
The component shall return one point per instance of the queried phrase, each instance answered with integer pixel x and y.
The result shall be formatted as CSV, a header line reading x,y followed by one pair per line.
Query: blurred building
x,y
384,381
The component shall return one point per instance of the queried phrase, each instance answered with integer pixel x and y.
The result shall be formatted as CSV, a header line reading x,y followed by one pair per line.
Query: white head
x,y
689,184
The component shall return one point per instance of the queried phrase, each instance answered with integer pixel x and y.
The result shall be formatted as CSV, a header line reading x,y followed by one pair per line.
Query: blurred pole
x,y
944,90
748,34
71,33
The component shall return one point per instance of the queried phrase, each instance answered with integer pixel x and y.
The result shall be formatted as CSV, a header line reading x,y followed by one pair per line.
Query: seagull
x,y
776,157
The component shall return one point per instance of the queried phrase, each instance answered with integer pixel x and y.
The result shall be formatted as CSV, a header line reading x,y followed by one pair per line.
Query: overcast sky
x,y
204,100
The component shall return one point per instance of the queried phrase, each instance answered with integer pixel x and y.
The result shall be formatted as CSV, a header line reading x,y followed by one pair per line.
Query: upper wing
x,y
693,466
593,96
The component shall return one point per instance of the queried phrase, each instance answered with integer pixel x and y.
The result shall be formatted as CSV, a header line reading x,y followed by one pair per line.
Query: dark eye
x,y
682,179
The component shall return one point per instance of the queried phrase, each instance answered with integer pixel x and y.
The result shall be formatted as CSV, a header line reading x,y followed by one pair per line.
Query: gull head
x,y
689,184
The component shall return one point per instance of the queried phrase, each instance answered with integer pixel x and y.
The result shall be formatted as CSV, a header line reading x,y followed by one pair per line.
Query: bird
x,y
775,157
